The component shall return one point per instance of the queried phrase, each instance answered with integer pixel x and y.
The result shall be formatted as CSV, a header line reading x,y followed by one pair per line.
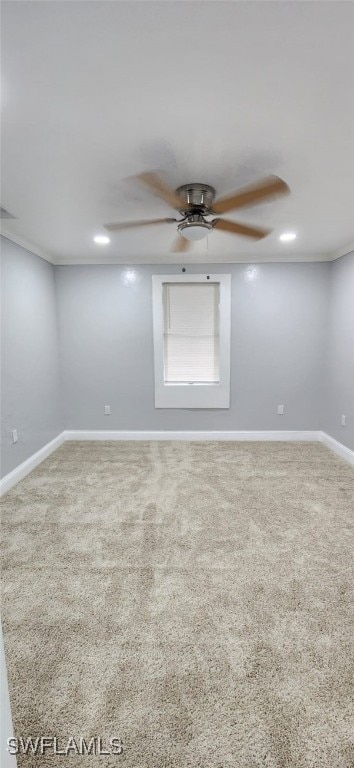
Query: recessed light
x,y
286,237
101,239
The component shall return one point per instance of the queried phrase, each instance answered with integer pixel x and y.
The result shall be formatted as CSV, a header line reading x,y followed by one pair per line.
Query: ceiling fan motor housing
x,y
198,197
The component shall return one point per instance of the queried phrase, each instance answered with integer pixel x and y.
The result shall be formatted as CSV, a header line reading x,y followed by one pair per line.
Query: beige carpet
x,y
192,599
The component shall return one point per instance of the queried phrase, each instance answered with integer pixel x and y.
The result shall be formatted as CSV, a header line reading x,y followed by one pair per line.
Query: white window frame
x,y
184,395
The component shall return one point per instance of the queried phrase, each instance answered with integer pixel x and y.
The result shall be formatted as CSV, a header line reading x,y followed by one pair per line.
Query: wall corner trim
x,y
27,466
341,450
32,462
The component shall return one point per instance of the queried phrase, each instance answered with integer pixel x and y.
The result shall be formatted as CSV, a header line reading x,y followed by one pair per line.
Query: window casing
x,y
191,319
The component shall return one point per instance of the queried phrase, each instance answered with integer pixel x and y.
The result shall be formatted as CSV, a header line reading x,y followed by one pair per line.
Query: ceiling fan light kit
x,y
196,201
194,227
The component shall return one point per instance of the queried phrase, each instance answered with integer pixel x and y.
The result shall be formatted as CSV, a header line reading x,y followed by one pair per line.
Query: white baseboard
x,y
26,467
266,435
338,448
190,435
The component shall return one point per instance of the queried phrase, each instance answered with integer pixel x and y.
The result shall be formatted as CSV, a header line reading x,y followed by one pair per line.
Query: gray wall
x,y
340,352
292,344
277,356
30,381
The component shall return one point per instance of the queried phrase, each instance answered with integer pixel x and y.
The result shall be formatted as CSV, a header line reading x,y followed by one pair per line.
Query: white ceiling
x,y
218,92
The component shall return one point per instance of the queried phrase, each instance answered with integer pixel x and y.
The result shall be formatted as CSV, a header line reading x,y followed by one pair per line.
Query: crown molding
x,y
27,244
173,260
342,251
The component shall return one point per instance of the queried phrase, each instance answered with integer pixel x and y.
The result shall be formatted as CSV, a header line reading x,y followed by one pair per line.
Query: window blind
x,y
191,332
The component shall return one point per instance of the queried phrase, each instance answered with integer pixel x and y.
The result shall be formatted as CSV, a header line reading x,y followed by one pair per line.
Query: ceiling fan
x,y
195,203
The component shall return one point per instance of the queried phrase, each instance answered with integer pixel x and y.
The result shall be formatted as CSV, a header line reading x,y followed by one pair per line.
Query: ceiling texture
x,y
223,93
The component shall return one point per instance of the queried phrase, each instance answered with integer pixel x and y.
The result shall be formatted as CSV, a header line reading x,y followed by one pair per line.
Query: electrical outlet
x,y
107,410
343,420
14,436
280,410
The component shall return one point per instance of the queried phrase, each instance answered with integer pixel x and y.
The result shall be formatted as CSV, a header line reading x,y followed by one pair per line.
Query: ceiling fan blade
x,y
240,229
181,244
132,224
160,188
268,188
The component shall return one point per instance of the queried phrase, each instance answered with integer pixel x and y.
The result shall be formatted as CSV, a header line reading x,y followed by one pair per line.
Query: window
x,y
192,341
191,333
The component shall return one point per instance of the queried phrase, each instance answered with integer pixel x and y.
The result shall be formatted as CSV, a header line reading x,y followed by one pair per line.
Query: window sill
x,y
192,384
192,396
